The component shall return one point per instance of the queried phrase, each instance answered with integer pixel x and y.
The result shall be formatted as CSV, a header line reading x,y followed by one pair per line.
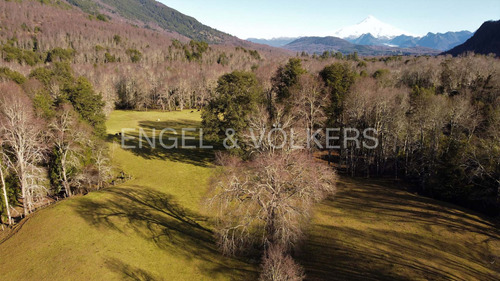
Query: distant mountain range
x,y
321,44
275,42
437,41
373,32
486,40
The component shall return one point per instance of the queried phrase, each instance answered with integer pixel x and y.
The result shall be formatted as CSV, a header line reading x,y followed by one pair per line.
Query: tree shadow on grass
x,y
129,272
156,217
389,234
197,156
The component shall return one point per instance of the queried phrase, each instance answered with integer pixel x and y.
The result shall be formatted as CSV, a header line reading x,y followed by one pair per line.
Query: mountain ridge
x,y
373,32
486,40
151,13
317,45
438,41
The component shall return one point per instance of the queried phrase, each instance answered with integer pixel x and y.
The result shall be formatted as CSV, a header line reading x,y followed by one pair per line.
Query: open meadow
x,y
154,227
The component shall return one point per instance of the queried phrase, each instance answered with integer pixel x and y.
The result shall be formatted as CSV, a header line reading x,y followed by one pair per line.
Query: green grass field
x,y
153,227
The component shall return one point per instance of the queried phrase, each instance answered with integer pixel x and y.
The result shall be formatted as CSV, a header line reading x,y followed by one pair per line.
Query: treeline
x,y
436,122
52,139
436,119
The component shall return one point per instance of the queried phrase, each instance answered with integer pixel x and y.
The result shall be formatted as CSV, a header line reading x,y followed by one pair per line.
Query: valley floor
x,y
154,227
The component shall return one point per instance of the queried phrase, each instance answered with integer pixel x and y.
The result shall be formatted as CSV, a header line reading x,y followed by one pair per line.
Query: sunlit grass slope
x,y
152,227
371,231
149,228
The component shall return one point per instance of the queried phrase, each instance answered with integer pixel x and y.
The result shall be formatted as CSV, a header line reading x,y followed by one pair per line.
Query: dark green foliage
x,y
338,78
135,55
79,92
237,95
286,78
448,181
11,53
255,54
325,55
362,64
109,58
42,74
55,171
44,105
354,56
194,51
25,27
35,44
117,39
102,17
88,104
177,44
380,73
12,184
60,54
15,76
59,72
223,59
99,48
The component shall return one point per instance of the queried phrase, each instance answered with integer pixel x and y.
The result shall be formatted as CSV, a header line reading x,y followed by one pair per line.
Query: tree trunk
x,y
25,199
4,189
67,188
22,179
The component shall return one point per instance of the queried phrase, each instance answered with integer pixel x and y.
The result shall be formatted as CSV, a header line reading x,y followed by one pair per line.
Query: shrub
x,y
278,265
12,54
60,54
135,55
12,75
102,17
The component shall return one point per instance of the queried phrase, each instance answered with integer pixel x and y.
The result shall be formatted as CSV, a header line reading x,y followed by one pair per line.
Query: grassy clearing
x,y
373,231
150,228
153,228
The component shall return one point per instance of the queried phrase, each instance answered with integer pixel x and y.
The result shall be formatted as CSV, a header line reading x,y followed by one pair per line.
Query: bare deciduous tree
x,y
67,133
4,191
267,200
22,134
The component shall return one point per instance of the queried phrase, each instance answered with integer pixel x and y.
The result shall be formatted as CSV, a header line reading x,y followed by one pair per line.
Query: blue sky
x,y
276,18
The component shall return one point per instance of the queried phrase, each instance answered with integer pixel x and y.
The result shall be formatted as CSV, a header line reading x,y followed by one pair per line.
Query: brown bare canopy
x,y
268,200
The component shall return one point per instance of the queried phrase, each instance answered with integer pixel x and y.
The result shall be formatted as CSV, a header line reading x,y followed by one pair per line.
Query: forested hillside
x,y
153,15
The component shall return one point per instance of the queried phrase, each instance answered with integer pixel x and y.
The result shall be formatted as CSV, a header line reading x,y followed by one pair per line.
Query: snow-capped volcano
x,y
373,26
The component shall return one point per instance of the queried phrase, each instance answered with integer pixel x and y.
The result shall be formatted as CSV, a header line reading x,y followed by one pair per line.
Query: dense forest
x,y
62,72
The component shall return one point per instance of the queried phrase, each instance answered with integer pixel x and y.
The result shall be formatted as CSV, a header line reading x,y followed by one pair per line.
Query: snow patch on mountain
x,y
372,26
